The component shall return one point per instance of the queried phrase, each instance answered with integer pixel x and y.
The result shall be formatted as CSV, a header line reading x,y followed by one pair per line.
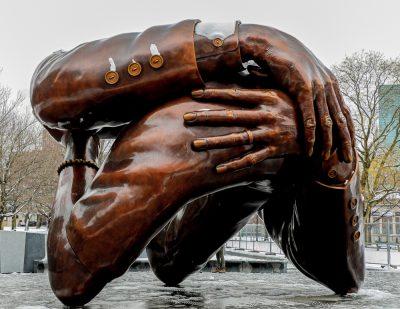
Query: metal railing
x,y
382,242
254,238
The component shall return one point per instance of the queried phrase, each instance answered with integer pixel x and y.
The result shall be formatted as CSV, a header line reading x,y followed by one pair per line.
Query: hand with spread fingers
x,y
270,120
297,71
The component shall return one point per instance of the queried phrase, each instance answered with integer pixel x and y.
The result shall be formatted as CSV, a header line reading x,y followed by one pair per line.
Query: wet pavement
x,y
207,290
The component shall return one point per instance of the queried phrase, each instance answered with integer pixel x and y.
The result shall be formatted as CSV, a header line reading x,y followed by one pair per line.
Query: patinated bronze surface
x,y
185,173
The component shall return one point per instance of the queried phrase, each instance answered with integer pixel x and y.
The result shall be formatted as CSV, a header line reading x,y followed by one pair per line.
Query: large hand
x,y
272,124
296,70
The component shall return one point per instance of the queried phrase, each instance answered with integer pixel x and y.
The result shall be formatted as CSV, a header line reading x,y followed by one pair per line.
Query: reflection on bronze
x,y
183,170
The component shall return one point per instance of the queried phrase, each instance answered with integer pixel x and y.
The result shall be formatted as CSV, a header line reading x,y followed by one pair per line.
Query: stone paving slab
x,y
206,290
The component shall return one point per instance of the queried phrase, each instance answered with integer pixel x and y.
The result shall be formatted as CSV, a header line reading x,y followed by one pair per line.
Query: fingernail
x,y
197,93
221,169
189,116
310,152
326,155
199,143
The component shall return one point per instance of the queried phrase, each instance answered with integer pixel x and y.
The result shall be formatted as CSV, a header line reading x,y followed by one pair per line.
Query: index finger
x,y
252,96
306,104
346,113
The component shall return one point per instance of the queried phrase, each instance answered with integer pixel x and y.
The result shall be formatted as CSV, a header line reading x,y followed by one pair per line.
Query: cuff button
x,y
134,69
218,42
356,235
156,61
354,220
353,203
332,173
111,77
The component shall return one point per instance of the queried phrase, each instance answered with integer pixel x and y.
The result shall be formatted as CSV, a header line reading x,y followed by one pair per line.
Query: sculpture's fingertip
x,y
189,116
221,169
326,155
310,149
199,143
348,157
198,93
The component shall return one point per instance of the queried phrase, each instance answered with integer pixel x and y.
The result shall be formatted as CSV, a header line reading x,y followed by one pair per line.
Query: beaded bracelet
x,y
67,163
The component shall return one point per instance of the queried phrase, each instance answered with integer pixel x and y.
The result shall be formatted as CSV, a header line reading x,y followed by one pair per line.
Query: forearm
x,y
324,210
217,50
200,229
70,280
88,87
75,89
136,193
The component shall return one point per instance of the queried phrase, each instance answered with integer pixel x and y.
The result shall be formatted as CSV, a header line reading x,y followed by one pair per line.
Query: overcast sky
x,y
32,29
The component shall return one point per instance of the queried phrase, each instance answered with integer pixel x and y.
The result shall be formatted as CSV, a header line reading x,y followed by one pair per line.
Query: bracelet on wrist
x,y
72,162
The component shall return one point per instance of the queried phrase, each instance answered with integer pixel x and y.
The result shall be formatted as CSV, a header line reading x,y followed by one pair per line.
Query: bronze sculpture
x,y
171,155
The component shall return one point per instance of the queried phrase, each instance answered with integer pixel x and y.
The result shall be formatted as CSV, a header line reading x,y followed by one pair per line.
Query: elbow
x,y
42,90
76,288
352,277
170,274
169,270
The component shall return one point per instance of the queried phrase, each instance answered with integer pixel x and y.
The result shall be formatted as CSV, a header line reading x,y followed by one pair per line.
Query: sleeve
x,y
317,221
217,50
200,228
113,78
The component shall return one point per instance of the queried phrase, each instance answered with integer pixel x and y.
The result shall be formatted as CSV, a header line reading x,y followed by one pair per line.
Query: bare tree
x,y
17,136
51,154
27,172
370,84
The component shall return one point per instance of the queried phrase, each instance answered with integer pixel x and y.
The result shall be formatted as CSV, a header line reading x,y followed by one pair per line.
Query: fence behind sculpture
x,y
382,242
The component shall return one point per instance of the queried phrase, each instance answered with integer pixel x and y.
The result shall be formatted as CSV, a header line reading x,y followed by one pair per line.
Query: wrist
x,y
81,145
217,49
335,171
253,41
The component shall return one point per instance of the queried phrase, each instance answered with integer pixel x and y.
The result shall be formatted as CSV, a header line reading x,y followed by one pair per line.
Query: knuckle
x,y
334,79
306,89
347,143
328,84
341,120
310,124
202,115
291,66
346,109
319,87
290,134
326,121
230,114
311,140
328,143
251,159
269,51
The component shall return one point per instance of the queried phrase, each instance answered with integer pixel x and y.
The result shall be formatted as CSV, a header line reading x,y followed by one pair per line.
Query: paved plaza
x,y
207,290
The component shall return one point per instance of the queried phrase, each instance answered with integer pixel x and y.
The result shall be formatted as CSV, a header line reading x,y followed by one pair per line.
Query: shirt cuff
x,y
335,172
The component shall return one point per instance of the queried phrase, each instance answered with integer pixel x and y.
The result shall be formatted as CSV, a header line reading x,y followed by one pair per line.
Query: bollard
x,y
240,240
388,243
